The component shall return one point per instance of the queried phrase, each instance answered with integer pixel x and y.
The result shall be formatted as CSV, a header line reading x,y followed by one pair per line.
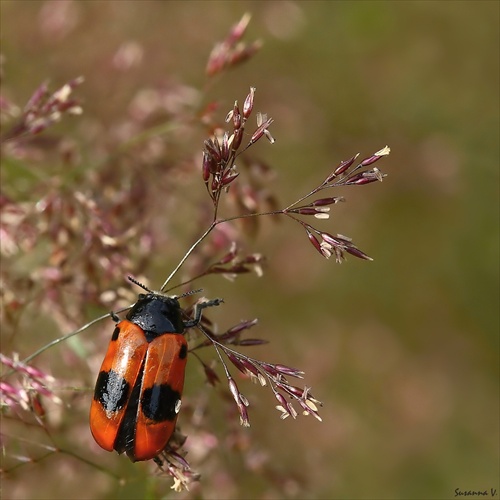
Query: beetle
x,y
138,392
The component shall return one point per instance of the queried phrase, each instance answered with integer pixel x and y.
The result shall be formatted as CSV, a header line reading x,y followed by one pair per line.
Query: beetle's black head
x,y
157,314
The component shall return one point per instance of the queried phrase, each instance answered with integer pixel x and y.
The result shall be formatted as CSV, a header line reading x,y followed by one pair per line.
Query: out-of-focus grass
x,y
403,350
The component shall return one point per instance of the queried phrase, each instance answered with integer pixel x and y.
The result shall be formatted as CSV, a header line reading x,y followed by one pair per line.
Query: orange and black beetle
x,y
138,391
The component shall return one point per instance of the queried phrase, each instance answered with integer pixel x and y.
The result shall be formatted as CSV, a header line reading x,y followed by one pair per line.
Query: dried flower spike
x,y
34,385
43,110
232,50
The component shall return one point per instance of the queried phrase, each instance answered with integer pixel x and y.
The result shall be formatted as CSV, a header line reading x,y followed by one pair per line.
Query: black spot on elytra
x,y
111,390
116,334
183,352
158,403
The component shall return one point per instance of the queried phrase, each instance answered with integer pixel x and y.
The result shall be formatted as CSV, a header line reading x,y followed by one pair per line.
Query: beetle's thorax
x,y
157,314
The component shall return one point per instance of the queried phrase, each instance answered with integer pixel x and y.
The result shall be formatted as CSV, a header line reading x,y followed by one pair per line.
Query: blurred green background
x,y
404,350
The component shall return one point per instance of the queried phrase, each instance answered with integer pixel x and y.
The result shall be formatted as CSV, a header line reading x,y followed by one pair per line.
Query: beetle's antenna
x,y
139,284
186,294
